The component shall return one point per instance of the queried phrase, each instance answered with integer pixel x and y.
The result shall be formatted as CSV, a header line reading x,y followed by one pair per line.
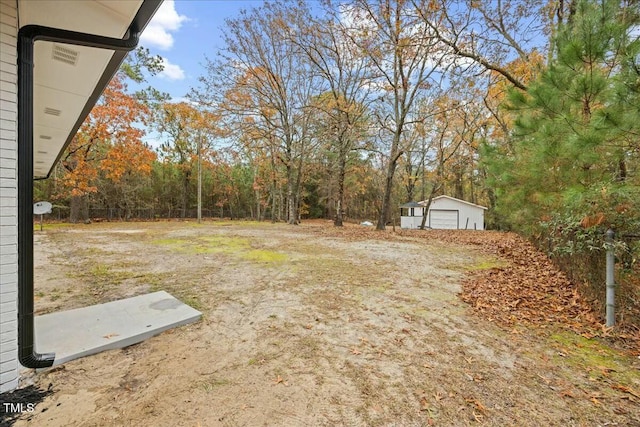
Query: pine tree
x,y
574,153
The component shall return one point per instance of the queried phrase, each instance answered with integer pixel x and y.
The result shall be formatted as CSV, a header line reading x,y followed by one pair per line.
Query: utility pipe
x,y
27,36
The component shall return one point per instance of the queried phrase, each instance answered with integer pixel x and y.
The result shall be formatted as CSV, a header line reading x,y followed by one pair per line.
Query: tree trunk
x,y
459,186
411,181
293,189
79,211
386,197
185,193
258,213
340,202
292,208
274,201
425,211
622,170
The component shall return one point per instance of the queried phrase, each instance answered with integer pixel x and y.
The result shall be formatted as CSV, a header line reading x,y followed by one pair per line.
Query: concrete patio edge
x,y
89,330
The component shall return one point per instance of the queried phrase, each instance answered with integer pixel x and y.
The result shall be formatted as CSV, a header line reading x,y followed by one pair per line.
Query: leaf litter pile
x,y
527,289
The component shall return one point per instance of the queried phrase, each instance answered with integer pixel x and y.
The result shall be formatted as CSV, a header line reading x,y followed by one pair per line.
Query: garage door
x,y
443,219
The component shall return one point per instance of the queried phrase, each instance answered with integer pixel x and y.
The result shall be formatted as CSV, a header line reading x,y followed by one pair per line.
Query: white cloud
x,y
171,71
186,100
166,20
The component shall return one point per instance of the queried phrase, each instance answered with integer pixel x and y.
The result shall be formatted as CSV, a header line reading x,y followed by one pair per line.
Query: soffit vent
x,y
47,137
42,152
64,54
52,111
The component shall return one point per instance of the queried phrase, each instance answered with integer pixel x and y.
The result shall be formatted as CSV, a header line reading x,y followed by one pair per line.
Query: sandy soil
x,y
304,328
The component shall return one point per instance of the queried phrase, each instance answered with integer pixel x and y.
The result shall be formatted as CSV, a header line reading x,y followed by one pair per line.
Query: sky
x,y
183,32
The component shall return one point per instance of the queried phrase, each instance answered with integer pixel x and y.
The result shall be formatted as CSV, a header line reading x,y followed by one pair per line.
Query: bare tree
x,y
346,77
492,34
408,61
262,81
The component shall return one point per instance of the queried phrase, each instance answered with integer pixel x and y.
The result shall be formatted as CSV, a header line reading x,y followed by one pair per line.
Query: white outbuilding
x,y
444,213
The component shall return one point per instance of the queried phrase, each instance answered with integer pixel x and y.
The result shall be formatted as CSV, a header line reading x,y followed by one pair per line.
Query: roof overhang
x,y
424,202
411,205
69,79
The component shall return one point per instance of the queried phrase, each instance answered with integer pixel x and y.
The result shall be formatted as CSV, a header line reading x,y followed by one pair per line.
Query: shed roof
x,y
411,205
424,202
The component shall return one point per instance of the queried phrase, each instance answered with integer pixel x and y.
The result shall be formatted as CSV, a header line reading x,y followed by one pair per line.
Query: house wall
x,y
8,196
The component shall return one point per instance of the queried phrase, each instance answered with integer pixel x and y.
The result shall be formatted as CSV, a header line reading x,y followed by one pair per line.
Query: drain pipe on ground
x,y
27,36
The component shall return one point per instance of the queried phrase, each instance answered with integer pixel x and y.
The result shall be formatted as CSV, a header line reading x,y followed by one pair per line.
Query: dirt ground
x,y
308,327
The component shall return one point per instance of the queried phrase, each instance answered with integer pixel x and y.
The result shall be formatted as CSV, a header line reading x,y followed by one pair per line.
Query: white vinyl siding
x,y
470,216
8,196
446,213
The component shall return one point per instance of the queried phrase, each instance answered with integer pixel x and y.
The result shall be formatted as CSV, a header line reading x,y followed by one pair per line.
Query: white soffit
x,y
65,76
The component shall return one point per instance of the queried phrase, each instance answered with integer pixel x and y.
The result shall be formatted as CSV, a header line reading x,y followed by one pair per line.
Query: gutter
x,y
27,36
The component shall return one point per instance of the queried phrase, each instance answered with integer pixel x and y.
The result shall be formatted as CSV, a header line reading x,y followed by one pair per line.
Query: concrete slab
x,y
77,333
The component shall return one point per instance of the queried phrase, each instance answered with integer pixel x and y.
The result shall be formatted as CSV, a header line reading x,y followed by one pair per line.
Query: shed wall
x,y
8,196
412,221
470,217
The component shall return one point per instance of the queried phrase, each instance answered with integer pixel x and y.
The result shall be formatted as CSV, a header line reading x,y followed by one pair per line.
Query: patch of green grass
x,y
192,301
237,247
51,225
154,280
484,263
98,278
101,271
230,243
488,264
108,273
94,251
207,244
262,255
595,358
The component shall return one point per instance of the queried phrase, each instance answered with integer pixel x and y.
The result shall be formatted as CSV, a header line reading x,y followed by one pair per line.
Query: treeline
x,y
348,109
228,191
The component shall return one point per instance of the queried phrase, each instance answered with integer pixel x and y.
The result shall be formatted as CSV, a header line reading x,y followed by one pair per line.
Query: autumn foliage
x,y
527,107
108,145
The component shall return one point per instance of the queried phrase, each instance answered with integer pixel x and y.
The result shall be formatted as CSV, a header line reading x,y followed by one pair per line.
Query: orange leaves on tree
x,y
78,181
526,70
128,157
109,138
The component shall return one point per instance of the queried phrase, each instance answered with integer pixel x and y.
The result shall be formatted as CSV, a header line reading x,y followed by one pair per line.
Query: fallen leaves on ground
x,y
626,389
528,289
280,380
